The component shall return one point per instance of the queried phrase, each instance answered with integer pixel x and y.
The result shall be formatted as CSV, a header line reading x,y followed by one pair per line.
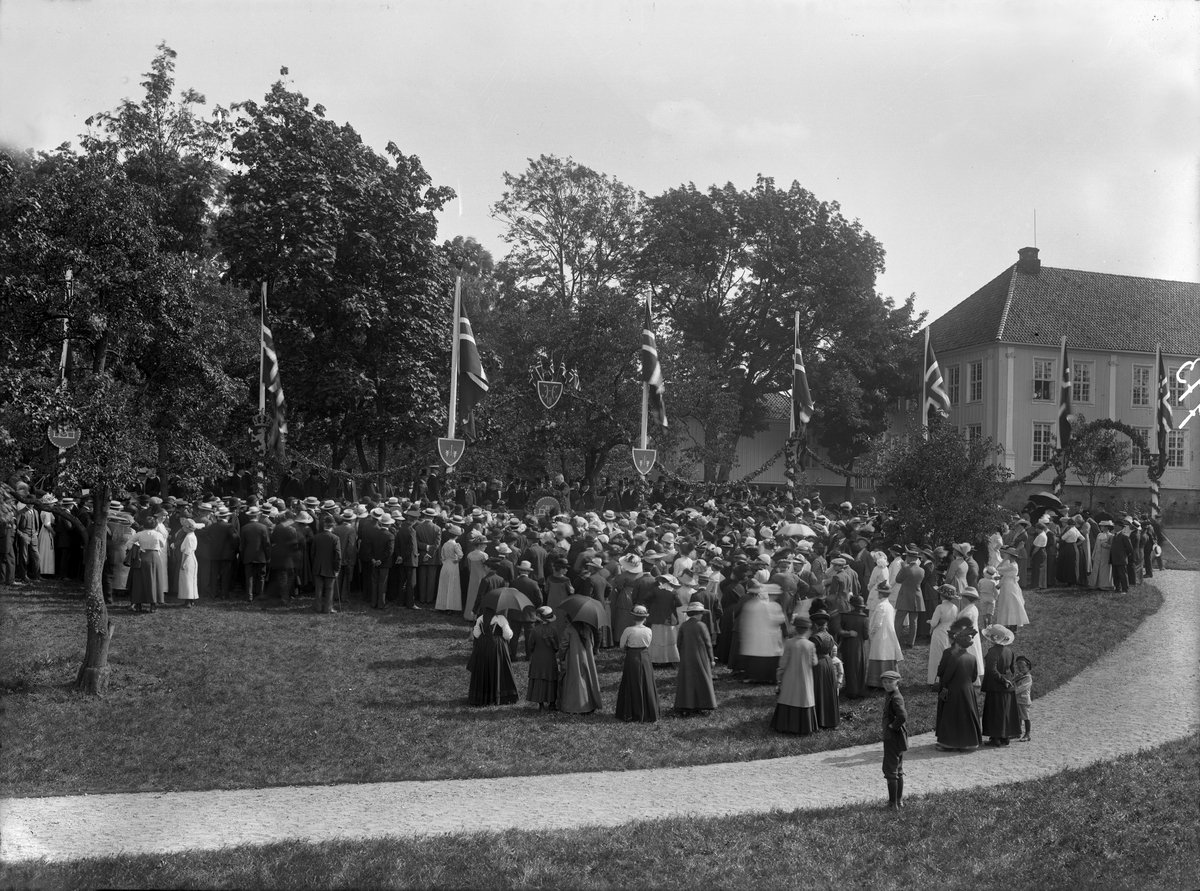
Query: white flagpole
x,y
262,351
925,381
646,394
795,340
454,360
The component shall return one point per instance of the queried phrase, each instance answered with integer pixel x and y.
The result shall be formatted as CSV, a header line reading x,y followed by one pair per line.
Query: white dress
x,y
449,592
1010,602
45,543
187,568
939,636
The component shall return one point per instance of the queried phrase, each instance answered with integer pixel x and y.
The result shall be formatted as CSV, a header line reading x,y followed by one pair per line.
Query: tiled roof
x,y
778,405
1096,310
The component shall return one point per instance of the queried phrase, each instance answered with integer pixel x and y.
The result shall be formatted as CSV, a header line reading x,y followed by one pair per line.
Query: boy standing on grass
x,y
1023,684
895,737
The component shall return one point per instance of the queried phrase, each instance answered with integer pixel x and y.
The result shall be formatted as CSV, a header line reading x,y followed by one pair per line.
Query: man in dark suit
x,y
346,531
224,543
255,541
1121,555
381,544
910,602
433,486
286,555
326,564
314,486
403,578
429,541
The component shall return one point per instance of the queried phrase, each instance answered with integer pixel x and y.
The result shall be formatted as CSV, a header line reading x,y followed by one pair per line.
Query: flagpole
x,y
262,351
454,359
1157,463
925,384
646,394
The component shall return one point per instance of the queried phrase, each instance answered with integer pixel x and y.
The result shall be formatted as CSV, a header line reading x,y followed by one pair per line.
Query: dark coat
x,y
256,543
895,721
286,550
1122,550
378,544
326,555
429,542
958,725
406,544
694,684
911,597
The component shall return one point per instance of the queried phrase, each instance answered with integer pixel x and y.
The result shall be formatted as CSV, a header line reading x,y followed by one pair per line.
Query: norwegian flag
x,y
1064,399
802,401
271,398
472,379
652,372
1166,421
935,396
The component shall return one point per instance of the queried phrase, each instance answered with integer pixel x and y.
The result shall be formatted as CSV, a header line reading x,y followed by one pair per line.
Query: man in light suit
x,y
910,601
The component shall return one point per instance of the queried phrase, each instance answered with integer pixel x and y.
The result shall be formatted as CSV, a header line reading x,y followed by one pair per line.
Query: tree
x,y
564,290
945,488
1097,455
731,268
358,289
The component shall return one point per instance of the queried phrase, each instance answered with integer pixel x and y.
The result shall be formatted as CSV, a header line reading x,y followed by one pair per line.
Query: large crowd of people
x,y
817,600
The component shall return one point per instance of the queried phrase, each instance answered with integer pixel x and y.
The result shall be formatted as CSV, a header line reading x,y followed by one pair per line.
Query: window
x,y
1081,381
1043,443
1043,380
1176,389
1141,457
1175,448
953,376
1141,385
974,432
975,381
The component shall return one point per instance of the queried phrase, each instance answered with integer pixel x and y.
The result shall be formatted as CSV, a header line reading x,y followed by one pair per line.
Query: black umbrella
x,y
579,608
1047,500
501,600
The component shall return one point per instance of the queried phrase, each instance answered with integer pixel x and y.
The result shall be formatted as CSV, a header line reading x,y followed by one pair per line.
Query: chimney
x,y
1028,260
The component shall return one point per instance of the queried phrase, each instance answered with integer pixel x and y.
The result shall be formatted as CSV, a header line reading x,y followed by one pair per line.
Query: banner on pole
x,y
450,450
549,392
643,460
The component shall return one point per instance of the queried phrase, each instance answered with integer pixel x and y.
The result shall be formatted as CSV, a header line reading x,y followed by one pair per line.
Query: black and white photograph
x,y
587,445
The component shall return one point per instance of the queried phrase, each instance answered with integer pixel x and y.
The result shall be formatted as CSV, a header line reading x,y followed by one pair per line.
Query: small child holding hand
x,y
1023,685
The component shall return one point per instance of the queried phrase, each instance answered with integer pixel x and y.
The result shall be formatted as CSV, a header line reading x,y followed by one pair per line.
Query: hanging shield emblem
x,y
451,450
643,460
549,392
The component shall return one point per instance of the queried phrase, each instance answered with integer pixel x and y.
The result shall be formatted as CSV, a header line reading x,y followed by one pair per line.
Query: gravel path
x,y
1141,695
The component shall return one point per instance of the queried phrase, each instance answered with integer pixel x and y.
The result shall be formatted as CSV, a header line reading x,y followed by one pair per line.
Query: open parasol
x,y
578,608
502,600
796,530
1047,500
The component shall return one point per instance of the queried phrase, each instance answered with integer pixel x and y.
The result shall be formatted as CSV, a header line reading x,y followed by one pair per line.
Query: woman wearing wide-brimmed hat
x,y
186,589
795,706
939,629
1010,601
544,644
449,588
1101,573
637,696
958,725
1001,718
693,685
825,686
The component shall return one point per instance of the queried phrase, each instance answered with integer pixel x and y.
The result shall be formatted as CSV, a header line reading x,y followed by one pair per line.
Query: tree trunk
x,y
360,449
93,673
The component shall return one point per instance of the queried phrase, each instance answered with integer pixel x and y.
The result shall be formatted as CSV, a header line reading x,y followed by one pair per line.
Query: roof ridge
x,y
1145,278
1012,282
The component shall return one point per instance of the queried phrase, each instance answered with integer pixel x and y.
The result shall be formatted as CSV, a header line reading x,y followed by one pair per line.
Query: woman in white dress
x,y
969,609
879,577
477,561
995,542
939,629
1010,602
45,538
187,587
956,574
449,590
1100,575
884,646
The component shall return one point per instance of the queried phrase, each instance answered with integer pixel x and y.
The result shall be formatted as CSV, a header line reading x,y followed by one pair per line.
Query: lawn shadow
x,y
924,752
419,662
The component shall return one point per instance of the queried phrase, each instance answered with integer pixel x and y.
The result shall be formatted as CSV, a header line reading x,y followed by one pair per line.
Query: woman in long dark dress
x,y
958,724
825,691
543,661
693,685
637,697
579,684
492,679
733,591
854,647
795,709
1001,718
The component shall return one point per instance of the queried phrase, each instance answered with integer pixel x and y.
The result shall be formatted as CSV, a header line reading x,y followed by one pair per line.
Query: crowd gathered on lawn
x,y
815,599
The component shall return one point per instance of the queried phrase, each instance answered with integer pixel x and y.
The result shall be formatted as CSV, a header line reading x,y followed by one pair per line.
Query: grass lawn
x,y
1187,540
229,695
1124,824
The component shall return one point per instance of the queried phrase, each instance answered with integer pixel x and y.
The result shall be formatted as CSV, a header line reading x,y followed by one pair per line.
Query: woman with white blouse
x,y
187,563
148,581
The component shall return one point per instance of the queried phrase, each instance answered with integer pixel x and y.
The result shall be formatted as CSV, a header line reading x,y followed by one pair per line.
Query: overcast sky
x,y
942,127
